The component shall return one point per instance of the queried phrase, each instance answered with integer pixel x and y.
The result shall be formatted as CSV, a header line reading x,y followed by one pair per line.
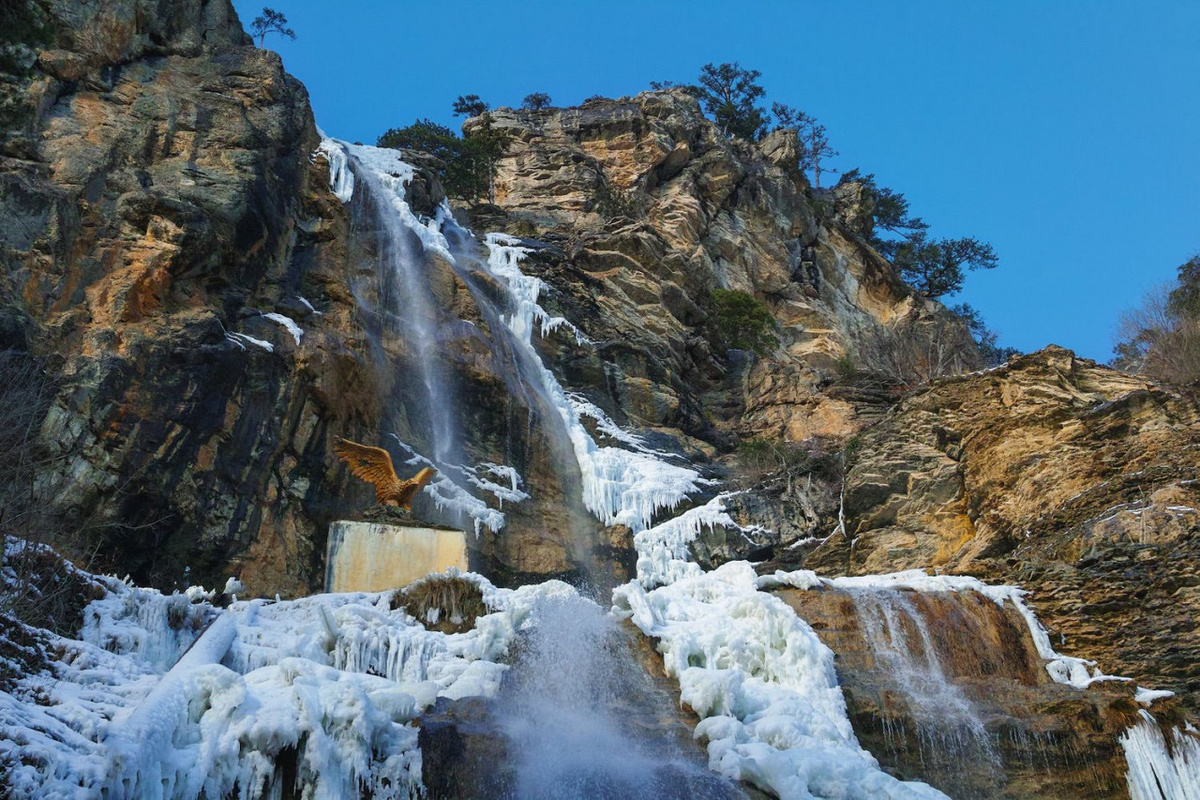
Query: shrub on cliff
x,y
913,354
730,94
468,163
536,101
743,322
1161,337
443,602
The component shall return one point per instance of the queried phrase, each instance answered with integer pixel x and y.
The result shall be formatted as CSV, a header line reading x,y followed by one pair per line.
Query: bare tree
x,y
915,353
1159,339
815,149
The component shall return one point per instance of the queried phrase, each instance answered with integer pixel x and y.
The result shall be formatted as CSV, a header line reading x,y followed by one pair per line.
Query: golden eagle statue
x,y
374,465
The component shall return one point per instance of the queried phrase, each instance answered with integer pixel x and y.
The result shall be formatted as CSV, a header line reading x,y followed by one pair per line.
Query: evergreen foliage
x,y
469,105
467,164
743,322
730,94
536,101
271,21
934,267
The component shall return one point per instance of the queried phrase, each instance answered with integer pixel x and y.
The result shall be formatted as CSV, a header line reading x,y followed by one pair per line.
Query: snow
x,y
151,703
1148,696
763,684
1156,773
311,309
620,487
288,323
241,340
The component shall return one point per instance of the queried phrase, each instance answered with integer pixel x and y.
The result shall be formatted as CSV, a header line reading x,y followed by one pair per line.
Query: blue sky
x,y
1064,132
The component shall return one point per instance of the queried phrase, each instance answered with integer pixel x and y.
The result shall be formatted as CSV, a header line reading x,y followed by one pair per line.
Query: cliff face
x,y
655,209
1070,479
647,211
163,204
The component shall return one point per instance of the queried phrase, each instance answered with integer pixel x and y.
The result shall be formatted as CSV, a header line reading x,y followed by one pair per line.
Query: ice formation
x,y
1069,670
288,323
165,697
663,550
620,487
1157,772
449,496
763,684
241,340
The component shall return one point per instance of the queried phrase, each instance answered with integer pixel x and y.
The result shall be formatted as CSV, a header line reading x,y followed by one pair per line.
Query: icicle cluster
x,y
167,696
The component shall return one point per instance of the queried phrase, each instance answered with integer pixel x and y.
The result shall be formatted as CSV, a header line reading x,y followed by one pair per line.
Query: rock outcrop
x,y
1070,479
654,209
162,224
1035,738
169,240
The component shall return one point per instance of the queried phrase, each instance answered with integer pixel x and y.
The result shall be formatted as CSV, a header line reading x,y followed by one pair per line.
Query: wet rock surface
x,y
1035,738
1069,479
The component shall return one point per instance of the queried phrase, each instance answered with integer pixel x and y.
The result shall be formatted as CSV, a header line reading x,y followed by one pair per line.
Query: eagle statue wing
x,y
409,489
371,464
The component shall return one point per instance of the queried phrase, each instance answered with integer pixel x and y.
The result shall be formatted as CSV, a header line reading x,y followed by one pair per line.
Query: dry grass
x,y
446,603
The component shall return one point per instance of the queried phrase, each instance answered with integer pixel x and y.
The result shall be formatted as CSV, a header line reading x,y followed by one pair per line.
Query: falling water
x,y
587,722
405,301
955,749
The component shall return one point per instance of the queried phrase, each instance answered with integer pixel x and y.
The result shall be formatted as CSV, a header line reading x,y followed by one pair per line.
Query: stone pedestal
x,y
371,557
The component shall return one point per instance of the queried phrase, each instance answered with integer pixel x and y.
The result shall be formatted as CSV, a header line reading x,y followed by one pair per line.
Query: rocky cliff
x,y
207,319
1072,480
162,204
170,245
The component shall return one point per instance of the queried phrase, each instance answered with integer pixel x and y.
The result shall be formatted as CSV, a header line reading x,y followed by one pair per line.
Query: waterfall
x,y
765,686
582,716
406,302
955,749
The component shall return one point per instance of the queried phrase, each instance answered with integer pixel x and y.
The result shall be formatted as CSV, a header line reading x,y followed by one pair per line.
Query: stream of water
x,y
587,722
955,748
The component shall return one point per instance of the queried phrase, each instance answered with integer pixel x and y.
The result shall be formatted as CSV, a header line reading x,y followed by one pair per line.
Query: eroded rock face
x,y
166,204
648,209
1037,738
1073,480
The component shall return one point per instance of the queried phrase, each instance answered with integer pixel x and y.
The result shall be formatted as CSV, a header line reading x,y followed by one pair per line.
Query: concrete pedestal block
x,y
370,557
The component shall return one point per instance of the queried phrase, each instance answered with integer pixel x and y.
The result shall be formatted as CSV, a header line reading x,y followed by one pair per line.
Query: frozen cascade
x,y
320,693
951,735
574,709
777,719
620,487
1159,772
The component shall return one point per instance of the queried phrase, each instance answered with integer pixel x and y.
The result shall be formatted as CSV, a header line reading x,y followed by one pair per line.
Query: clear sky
x,y
1064,132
